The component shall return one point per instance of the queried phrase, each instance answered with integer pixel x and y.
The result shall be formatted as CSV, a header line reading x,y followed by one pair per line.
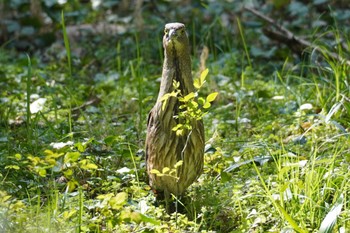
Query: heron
x,y
164,148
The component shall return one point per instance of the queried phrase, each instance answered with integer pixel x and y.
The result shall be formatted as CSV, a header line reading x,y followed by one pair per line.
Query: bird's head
x,y
175,36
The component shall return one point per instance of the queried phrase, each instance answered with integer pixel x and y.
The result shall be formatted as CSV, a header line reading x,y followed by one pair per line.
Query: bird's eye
x,y
166,31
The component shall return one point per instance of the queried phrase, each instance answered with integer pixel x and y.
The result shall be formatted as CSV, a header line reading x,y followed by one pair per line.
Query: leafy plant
x,y
191,108
277,140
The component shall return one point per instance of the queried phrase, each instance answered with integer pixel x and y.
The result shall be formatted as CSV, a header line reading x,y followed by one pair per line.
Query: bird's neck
x,y
176,67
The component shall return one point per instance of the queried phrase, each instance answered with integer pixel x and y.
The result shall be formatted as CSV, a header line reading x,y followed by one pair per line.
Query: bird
x,y
164,148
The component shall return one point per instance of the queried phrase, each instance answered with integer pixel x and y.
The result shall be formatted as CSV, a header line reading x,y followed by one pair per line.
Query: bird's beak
x,y
172,34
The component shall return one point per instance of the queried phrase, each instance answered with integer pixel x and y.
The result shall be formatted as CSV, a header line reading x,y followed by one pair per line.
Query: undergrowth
x,y
72,131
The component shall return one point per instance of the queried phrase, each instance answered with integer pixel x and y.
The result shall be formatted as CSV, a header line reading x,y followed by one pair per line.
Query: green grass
x,y
96,182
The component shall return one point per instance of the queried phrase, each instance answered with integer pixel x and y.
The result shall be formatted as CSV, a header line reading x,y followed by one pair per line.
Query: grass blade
x,y
29,115
67,46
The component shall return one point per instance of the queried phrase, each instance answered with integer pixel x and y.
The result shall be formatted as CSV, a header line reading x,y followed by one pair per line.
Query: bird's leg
x,y
167,200
176,201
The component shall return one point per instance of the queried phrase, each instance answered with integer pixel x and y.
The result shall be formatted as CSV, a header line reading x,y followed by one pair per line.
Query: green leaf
x,y
163,105
206,105
182,106
137,217
178,126
15,167
72,184
155,171
90,166
106,196
165,170
188,126
118,201
80,146
52,156
42,172
179,132
18,156
48,152
211,97
87,165
50,161
71,157
145,218
198,83
68,173
225,177
109,140
201,100
17,206
5,198
178,164
164,99
68,214
193,104
204,74
188,97
176,84
34,159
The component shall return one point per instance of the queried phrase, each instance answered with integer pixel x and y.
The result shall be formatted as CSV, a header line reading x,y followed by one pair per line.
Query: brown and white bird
x,y
163,147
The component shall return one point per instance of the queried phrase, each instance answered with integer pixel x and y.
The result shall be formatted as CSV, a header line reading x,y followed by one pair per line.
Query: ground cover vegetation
x,y
78,79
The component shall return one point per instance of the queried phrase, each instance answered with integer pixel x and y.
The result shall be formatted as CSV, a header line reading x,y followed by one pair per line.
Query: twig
x,y
296,43
93,101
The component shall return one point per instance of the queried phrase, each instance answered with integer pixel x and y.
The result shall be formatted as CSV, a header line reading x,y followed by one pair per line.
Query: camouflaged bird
x,y
163,147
